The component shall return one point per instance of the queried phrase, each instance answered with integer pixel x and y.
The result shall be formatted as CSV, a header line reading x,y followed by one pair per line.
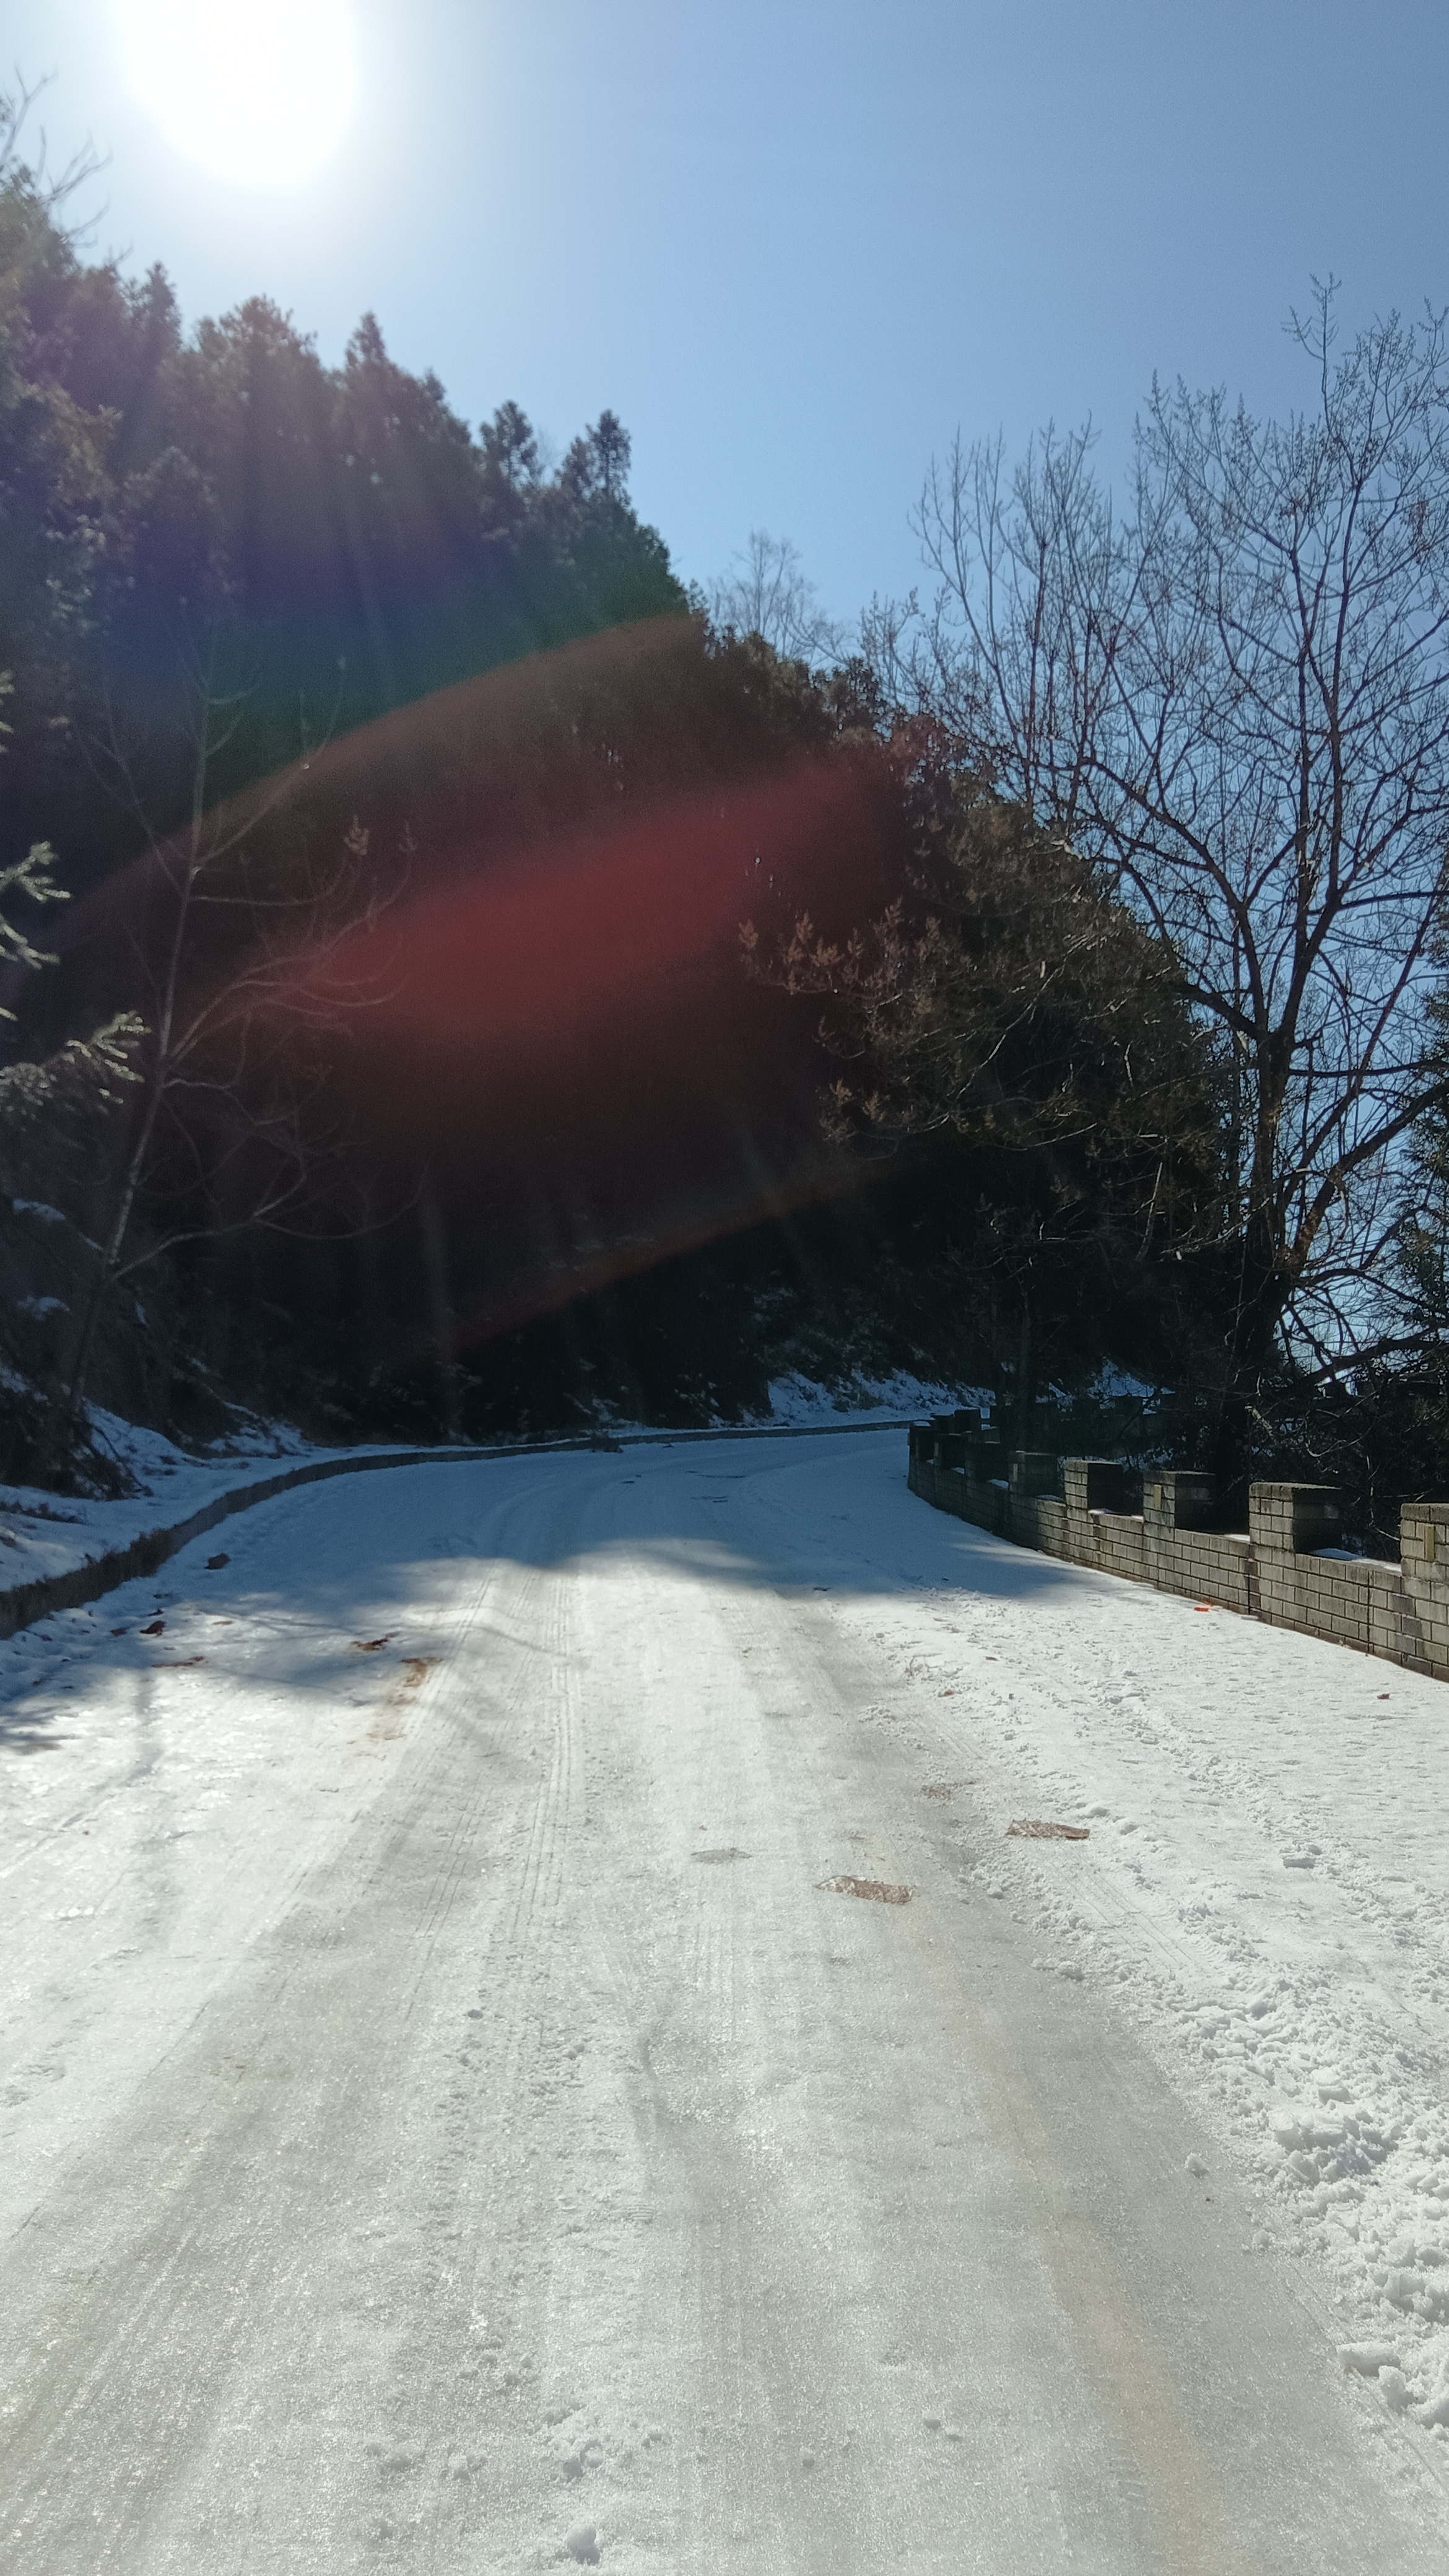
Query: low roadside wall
x,y
1288,1568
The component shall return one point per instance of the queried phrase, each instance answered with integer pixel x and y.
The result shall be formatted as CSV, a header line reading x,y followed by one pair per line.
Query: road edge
x,y
24,1603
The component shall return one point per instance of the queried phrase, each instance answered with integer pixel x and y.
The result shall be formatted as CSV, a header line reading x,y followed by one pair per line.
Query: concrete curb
x,y
24,1603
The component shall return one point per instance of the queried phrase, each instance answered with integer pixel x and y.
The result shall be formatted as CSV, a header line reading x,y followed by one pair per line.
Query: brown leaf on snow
x,y
1036,1829
156,1629
372,1645
875,1888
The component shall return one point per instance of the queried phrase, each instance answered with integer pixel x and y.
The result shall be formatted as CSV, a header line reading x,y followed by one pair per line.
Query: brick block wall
x,y
1283,1569
1122,1544
970,1495
1042,1521
1206,1565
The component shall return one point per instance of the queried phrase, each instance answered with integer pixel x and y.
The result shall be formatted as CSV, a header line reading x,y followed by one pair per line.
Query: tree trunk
x,y
1262,1296
444,1323
1024,1409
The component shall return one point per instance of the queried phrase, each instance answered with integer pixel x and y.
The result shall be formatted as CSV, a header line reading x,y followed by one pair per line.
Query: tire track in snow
x,y
724,2151
158,2326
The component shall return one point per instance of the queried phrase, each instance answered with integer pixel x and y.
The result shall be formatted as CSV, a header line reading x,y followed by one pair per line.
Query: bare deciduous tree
x,y
1232,693
767,592
51,189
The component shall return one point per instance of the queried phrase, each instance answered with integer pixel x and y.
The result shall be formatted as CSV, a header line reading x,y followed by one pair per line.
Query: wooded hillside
x,y
488,989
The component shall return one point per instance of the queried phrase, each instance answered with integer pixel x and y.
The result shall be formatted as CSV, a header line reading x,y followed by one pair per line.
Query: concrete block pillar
x,y
1424,1601
1286,1523
1294,1520
1178,1498
1033,1471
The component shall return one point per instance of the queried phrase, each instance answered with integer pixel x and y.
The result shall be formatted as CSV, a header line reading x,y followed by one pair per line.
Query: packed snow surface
x,y
530,2041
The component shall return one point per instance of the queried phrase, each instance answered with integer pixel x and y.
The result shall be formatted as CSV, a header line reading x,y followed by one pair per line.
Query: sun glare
x,y
261,93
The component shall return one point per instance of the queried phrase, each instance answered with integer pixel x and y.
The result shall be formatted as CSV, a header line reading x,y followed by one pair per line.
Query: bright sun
x,y
259,91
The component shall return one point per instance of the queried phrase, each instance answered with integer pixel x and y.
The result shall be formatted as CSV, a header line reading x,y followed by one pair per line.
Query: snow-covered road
x,y
474,2098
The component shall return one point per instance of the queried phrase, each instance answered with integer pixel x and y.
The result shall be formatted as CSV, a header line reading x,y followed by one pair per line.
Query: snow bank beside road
x,y
806,1401
1265,1887
43,1534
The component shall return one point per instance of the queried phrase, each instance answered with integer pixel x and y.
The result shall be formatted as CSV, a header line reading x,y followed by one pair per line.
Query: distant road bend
x,y
527,2046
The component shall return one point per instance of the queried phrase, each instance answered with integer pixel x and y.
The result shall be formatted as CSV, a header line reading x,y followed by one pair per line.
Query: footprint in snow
x,y
396,2459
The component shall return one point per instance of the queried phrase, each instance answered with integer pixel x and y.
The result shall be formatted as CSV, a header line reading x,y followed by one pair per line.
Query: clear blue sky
x,y
794,245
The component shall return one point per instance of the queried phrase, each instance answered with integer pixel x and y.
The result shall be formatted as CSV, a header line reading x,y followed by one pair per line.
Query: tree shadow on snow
x,y
314,1578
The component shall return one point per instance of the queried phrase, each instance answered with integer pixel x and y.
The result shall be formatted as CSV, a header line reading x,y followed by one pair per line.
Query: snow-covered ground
x,y
1268,1893
462,2107
900,1397
43,1534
